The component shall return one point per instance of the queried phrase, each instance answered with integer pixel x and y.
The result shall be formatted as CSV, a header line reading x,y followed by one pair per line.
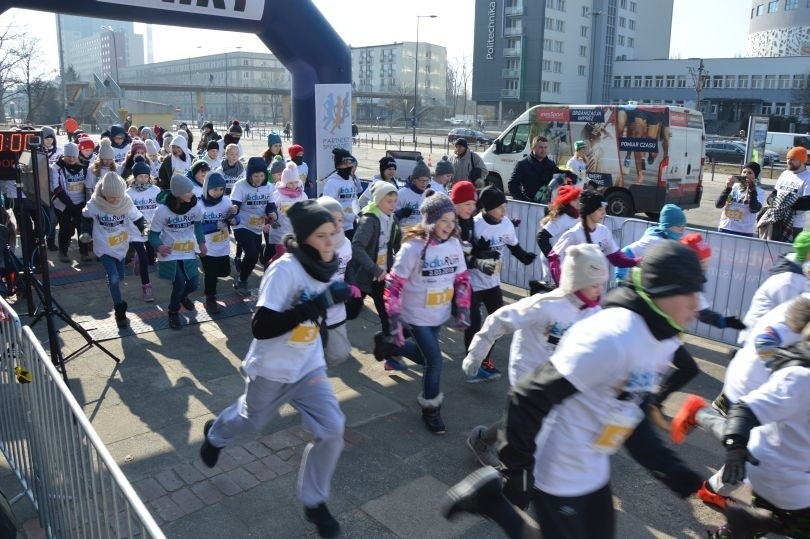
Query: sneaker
x,y
323,520
241,288
148,294
684,421
721,404
707,495
208,452
174,320
87,257
383,347
237,263
488,366
211,305
187,304
63,257
484,452
472,493
626,162
392,364
483,376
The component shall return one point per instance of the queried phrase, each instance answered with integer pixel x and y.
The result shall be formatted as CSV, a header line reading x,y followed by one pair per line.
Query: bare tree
x,y
9,60
458,77
35,82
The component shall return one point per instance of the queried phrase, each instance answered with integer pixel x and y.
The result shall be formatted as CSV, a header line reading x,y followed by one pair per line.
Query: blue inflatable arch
x,y
294,30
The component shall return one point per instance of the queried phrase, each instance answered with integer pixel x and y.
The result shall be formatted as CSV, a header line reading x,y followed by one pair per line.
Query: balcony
x,y
512,53
513,31
510,73
514,11
509,93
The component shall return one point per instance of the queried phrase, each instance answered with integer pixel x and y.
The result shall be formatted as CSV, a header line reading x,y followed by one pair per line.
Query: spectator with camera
x,y
740,201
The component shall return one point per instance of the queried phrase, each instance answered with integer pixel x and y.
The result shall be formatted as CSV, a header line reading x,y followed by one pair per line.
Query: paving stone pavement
x,y
150,409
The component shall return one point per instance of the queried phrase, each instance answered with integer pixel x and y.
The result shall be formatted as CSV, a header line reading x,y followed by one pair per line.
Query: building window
x,y
557,67
784,82
621,40
731,81
617,82
546,44
760,9
581,72
547,66
773,5
555,87
798,80
659,81
559,25
766,109
631,24
546,86
779,109
796,110
717,81
648,81
770,82
623,4
756,82
742,81
549,23
631,42
626,81
586,12
637,81
583,31
583,51
622,22
670,81
632,7
791,4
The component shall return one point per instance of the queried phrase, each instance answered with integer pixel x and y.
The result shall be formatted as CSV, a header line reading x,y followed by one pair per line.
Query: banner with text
x,y
333,123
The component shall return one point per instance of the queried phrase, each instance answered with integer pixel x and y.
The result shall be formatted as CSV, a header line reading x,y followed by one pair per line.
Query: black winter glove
x,y
308,310
526,257
517,486
736,457
480,248
404,213
734,323
337,292
487,266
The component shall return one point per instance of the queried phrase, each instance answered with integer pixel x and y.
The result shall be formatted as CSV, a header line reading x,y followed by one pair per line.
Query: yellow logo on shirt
x,y
256,220
303,336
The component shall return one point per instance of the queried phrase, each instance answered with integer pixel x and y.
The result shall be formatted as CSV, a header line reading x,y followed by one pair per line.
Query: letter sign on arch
x,y
295,31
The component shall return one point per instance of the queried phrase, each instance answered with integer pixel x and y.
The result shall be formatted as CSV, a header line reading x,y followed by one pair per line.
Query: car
x,y
470,135
729,151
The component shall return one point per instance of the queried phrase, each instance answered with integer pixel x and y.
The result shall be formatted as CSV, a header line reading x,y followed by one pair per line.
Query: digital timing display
x,y
12,144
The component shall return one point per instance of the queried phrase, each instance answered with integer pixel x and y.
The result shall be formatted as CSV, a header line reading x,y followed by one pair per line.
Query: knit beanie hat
x,y
584,265
48,132
306,216
670,268
212,145
290,173
255,164
695,242
199,165
151,147
277,165
105,151
70,150
235,128
340,154
798,153
212,180
140,167
590,201
273,138
112,185
117,130
86,143
755,168
387,162
330,204
167,140
421,170
566,195
295,150
137,146
491,197
147,133
444,166
801,244
461,142
180,141
433,207
463,191
380,190
671,215
180,185
578,145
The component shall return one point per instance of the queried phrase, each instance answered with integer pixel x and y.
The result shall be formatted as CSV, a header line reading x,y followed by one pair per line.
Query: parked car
x,y
471,135
729,151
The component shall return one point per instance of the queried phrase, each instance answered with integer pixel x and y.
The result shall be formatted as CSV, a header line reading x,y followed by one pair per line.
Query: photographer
x,y
740,202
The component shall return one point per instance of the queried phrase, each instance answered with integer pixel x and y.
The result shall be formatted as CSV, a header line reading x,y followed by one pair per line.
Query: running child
x,y
68,178
289,190
219,215
411,196
144,195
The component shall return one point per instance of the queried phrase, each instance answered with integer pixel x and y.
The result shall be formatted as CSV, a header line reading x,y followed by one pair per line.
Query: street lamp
x,y
115,53
594,26
416,75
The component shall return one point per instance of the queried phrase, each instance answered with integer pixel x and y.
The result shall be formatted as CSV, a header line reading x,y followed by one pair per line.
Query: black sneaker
x,y
187,304
174,321
323,520
383,347
237,264
470,494
209,453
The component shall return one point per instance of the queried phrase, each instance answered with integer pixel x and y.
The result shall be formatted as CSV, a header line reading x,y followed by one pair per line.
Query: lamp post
x,y
416,75
115,54
594,26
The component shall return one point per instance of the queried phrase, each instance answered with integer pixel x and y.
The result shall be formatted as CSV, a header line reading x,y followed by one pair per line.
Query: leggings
x,y
251,244
145,253
576,517
354,306
492,300
69,223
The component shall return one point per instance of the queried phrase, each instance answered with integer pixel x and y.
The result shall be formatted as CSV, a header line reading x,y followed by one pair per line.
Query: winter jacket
x,y
363,269
464,165
529,178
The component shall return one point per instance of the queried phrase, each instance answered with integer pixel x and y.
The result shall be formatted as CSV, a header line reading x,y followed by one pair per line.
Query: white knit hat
x,y
290,174
583,265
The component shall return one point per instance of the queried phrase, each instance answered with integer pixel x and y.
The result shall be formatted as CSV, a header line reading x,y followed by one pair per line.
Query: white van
x,y
782,142
642,156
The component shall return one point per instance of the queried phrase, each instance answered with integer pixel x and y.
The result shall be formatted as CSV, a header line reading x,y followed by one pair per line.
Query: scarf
x,y
311,260
141,187
122,208
232,171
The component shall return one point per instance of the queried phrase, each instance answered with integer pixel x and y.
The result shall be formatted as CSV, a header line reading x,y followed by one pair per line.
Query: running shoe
x,y
392,364
684,421
483,451
483,376
707,495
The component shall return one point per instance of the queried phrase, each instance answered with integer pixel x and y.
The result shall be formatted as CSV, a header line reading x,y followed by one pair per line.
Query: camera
x,y
741,179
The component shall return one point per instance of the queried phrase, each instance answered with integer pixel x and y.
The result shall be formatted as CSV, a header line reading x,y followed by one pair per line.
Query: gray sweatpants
x,y
714,422
320,413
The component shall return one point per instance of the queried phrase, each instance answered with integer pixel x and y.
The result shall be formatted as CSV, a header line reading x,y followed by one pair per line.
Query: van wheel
x,y
620,204
495,180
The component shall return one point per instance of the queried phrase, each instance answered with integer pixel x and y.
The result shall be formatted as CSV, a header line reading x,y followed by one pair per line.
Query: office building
x,y
779,28
97,46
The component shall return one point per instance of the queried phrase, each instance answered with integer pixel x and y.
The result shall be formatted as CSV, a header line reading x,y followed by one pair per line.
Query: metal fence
x,y
738,266
61,463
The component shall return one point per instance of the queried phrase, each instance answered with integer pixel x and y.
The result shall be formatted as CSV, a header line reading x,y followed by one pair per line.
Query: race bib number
x,y
118,239
382,258
183,246
76,187
303,336
618,429
284,208
219,237
734,215
256,220
438,297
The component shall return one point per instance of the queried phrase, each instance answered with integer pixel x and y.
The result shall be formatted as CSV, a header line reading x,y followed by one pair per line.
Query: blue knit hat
x,y
256,164
212,181
140,167
273,138
672,215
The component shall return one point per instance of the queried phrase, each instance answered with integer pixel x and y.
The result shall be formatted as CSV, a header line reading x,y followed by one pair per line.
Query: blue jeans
x,y
424,350
115,274
182,286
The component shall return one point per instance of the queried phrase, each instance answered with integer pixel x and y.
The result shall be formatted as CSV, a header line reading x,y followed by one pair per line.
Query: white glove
x,y
470,365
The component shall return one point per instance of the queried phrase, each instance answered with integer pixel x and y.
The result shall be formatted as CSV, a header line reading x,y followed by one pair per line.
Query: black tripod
x,y
48,307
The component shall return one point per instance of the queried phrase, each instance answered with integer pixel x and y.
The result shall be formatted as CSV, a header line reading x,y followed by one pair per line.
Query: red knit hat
x,y
86,143
295,150
463,191
567,194
696,243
